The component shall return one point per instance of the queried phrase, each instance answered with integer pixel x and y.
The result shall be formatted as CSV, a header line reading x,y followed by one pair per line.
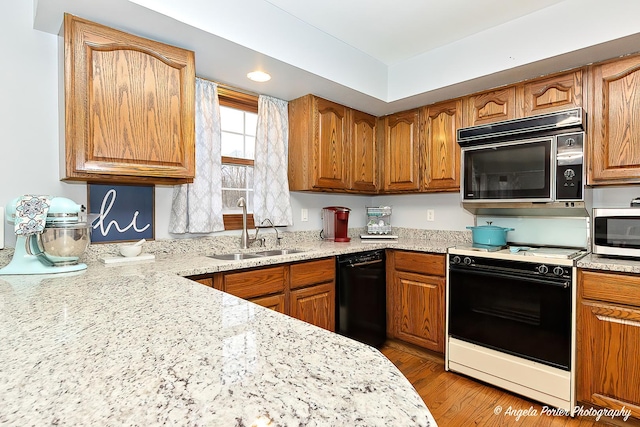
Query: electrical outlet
x,y
431,215
304,215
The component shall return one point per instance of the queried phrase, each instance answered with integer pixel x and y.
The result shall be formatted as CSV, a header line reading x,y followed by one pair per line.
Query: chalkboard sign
x,y
125,213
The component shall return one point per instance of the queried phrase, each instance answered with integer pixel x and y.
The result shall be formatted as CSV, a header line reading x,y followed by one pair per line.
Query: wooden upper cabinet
x,y
488,107
318,144
614,125
441,151
130,107
332,151
559,92
402,151
332,147
364,153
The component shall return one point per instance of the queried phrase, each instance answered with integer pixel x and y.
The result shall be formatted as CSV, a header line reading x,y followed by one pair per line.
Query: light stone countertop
x,y
138,345
620,265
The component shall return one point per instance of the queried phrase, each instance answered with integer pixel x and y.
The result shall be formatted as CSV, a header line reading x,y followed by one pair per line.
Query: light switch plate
x,y
304,215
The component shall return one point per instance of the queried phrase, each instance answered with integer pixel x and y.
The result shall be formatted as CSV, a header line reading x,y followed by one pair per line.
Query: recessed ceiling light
x,y
259,76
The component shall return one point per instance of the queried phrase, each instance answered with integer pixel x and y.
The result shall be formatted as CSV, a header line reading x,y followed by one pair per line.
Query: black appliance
x,y
361,297
532,159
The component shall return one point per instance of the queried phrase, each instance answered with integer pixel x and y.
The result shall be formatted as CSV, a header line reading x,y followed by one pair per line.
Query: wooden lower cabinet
x,y
315,305
415,298
304,290
273,302
608,373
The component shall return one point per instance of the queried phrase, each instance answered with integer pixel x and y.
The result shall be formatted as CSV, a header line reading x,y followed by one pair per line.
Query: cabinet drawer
x,y
254,283
620,288
431,264
312,272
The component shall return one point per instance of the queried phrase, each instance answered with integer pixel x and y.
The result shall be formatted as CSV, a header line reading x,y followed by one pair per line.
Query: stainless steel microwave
x,y
616,232
532,159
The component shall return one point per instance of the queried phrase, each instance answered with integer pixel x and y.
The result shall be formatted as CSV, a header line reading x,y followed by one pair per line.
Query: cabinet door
x,y
315,305
614,125
554,93
273,302
331,150
401,151
421,309
130,107
489,107
441,151
364,152
609,346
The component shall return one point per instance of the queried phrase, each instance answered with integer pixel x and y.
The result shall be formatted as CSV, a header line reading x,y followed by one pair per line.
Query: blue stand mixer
x,y
58,247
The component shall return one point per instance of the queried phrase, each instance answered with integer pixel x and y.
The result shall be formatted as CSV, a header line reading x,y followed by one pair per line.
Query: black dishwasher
x,y
361,297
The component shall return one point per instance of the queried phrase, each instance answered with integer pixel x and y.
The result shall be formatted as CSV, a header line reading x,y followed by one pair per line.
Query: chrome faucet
x,y
244,237
274,229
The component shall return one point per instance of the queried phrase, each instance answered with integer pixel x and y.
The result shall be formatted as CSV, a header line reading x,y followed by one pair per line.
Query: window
x,y
238,117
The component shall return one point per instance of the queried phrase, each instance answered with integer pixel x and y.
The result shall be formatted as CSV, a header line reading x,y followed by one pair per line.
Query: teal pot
x,y
490,235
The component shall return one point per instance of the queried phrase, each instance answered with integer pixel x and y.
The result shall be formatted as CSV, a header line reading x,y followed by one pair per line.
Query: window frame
x,y
228,97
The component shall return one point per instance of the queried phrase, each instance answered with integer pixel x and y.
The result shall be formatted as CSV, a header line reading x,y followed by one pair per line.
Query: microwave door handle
x,y
490,273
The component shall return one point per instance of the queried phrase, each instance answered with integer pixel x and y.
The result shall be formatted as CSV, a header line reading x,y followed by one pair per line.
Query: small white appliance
x,y
616,232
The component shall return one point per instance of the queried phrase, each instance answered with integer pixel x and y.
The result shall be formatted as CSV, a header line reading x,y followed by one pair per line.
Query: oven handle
x,y
563,284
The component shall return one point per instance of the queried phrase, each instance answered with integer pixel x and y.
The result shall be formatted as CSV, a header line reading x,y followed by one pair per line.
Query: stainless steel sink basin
x,y
234,257
275,252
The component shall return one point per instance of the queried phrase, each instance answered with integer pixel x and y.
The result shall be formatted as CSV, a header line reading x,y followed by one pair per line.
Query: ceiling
x,y
377,56
394,32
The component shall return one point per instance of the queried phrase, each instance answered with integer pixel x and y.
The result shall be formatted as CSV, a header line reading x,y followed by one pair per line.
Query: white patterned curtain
x,y
271,185
197,207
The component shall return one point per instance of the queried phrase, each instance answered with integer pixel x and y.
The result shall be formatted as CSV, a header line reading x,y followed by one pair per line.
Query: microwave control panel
x,y
570,166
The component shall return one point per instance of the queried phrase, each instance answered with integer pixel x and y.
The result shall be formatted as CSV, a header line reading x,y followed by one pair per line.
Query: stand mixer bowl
x,y
60,245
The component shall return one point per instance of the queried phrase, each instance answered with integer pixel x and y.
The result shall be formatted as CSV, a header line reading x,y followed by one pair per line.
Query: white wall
x,y
29,110
30,133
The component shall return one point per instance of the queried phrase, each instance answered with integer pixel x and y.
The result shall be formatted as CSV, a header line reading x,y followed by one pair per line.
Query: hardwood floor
x,y
456,400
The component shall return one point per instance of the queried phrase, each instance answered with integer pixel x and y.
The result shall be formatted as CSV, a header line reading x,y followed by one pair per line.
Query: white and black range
x,y
511,320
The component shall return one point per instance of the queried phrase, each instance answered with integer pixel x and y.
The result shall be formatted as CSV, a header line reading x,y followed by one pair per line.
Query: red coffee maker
x,y
335,223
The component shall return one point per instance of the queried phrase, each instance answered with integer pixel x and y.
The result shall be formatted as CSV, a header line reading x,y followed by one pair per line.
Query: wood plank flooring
x,y
456,400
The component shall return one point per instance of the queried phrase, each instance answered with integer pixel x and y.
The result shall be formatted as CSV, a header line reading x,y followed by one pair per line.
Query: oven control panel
x,y
509,266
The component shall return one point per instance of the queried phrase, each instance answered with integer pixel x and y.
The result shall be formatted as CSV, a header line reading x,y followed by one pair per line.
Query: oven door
x,y
525,316
509,171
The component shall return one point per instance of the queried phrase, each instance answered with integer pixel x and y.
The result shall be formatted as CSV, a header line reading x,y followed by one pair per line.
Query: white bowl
x,y
130,250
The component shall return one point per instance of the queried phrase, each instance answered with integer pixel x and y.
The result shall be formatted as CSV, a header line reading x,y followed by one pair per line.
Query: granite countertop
x,y
190,264
138,345
620,265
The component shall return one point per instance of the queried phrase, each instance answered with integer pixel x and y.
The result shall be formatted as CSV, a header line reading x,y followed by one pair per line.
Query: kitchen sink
x,y
235,256
275,252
